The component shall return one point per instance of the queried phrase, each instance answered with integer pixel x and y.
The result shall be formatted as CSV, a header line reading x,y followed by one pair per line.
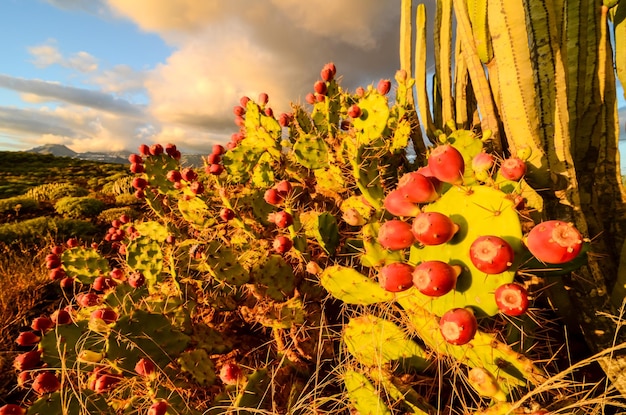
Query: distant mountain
x,y
118,157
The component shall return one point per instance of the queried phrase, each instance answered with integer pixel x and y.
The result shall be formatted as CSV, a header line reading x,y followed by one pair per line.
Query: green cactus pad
x,y
469,146
311,152
375,341
357,207
195,211
405,397
143,334
323,227
61,347
223,264
156,168
401,136
210,339
373,120
263,172
363,395
329,180
153,230
239,161
254,393
145,255
89,402
273,278
352,287
478,210
485,351
276,315
84,264
374,254
198,365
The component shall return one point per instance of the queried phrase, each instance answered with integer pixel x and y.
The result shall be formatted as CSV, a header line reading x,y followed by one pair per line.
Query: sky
x,y
108,75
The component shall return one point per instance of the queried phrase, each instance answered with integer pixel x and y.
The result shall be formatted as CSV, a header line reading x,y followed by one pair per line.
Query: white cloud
x,y
48,54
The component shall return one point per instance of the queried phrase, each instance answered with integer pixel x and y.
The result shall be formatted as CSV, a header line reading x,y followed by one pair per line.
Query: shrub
x,y
109,215
18,204
77,207
38,230
127,199
55,191
120,186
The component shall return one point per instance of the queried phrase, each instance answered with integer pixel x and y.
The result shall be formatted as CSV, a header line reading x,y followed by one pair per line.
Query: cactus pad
x,y
84,264
352,287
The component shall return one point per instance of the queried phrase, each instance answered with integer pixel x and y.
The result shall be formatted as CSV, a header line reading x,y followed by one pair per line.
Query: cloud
x,y
121,79
78,96
48,54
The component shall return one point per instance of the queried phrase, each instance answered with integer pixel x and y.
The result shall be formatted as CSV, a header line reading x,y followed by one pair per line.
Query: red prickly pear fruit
x,y
447,164
281,219
435,278
273,196
170,239
482,162
360,92
103,283
140,194
263,98
56,250
433,228
427,172
27,338
512,299
61,317
384,86
135,159
218,149
136,279
417,188
310,98
320,97
88,299
269,112
282,244
216,169
170,149
27,361
158,408
231,373
52,261
137,168
144,150
213,158
240,121
174,176
401,75
72,243
320,87
145,367
513,168
283,187
285,119
46,382
197,188
244,101
42,324
12,409
395,235
105,382
188,174
56,274
354,111
227,214
156,149
396,277
458,326
491,254
397,204
239,111
117,274
66,283
139,183
554,242
106,314
328,72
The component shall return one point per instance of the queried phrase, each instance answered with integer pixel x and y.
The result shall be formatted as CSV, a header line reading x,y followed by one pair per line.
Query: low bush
x,y
38,231
109,215
79,207
18,204
55,191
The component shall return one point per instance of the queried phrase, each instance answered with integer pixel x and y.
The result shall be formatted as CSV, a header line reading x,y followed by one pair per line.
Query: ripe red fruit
x,y
61,317
188,174
512,299
269,112
137,168
144,150
285,119
105,382
42,324
158,408
447,164
53,261
513,168
216,169
239,110
360,92
227,214
46,382
281,219
12,409
145,367
282,244
88,299
491,254
197,188
435,278
417,188
354,111
397,204
106,314
136,279
244,101
396,277
170,149
283,187
156,149
135,159
27,361
273,196
310,98
554,242
433,228
56,274
230,373
263,98
27,338
240,121
482,162
218,149
328,72
56,250
213,158
139,183
66,283
395,235
320,87
117,274
384,86
174,176
458,326
103,283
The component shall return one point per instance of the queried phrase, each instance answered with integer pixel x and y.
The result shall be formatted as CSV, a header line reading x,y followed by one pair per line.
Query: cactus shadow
x,y
465,279
461,234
